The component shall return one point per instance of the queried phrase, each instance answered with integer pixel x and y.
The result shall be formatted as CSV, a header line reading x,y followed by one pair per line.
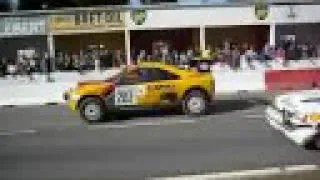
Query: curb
x,y
245,174
42,104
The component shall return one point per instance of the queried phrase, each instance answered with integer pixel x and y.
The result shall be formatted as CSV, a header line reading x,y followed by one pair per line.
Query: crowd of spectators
x,y
227,54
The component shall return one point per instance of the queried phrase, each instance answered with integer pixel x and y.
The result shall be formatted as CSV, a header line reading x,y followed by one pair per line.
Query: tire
x,y
92,110
195,103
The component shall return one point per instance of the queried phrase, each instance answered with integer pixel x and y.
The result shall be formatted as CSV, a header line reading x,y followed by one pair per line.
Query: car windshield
x,y
312,100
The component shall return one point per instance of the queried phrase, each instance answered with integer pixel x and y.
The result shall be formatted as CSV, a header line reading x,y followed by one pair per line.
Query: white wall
x,y
304,14
221,16
197,17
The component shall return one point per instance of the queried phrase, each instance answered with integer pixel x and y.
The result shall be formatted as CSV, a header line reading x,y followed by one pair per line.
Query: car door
x,y
129,89
161,87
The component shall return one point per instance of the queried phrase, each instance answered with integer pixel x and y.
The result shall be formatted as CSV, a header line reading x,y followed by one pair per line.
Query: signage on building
x,y
138,16
261,9
88,21
22,26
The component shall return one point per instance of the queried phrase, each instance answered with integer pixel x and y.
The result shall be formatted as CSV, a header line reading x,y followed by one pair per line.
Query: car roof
x,y
169,67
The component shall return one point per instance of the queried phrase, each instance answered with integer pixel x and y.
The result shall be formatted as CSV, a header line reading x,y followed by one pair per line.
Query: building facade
x,y
181,27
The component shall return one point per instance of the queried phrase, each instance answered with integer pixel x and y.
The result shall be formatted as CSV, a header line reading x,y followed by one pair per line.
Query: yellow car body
x,y
162,85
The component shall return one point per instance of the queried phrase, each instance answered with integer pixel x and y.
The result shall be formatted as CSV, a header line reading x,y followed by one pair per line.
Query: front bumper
x,y
71,100
299,135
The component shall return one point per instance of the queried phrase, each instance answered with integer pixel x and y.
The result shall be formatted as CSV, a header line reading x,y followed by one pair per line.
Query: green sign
x,y
261,10
139,16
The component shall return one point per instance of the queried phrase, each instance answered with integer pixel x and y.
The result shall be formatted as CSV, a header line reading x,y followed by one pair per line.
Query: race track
x,y
50,142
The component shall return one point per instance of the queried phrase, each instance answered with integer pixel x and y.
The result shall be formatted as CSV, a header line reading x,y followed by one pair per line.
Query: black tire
x,y
95,106
196,96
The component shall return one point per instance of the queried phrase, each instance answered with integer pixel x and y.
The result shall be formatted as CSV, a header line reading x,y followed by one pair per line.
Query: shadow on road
x,y
220,107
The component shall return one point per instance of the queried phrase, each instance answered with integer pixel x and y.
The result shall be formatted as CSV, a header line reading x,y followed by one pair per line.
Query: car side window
x,y
147,75
129,77
160,74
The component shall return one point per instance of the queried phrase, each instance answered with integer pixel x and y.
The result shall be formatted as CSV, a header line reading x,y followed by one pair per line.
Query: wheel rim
x,y
196,104
92,112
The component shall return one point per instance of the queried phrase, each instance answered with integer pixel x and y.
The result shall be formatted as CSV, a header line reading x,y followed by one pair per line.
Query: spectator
x,y
304,51
190,54
32,67
318,50
165,55
82,59
207,52
3,67
175,56
75,61
183,59
219,57
156,55
311,51
235,56
250,55
280,55
290,52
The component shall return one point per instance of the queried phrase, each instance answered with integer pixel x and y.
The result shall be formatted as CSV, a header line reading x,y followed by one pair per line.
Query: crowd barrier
x,y
291,79
38,91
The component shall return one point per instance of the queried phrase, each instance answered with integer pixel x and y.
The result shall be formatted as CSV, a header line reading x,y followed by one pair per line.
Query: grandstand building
x,y
179,24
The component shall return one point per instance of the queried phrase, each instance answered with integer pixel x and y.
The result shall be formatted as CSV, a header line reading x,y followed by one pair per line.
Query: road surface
x,y
51,142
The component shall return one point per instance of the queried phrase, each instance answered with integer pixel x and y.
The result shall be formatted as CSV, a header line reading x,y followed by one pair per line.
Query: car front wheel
x,y
92,110
195,103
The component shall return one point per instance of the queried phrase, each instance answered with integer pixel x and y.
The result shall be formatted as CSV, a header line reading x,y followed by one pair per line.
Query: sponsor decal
x,y
88,20
127,95
261,9
138,16
163,87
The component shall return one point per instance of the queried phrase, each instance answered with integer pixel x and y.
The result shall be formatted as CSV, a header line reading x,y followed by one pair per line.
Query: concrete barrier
x,y
39,92
291,79
34,94
233,82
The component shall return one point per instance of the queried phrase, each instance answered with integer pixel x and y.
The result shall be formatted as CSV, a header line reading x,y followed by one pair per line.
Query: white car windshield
x,y
312,100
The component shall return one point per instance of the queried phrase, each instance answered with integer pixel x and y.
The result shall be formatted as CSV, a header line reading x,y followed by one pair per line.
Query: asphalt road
x,y
52,143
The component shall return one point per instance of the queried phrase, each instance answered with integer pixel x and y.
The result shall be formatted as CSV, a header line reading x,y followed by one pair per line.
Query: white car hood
x,y
293,101
308,108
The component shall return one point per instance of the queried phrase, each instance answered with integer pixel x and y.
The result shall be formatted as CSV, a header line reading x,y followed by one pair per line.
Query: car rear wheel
x,y
195,103
92,110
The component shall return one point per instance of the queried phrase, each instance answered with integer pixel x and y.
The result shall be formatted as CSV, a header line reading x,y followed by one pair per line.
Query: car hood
x,y
308,107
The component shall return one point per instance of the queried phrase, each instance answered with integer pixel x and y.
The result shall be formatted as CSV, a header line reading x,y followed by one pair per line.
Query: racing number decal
x,y
126,95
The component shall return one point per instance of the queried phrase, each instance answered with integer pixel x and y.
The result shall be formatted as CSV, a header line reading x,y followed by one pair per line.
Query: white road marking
x,y
12,133
6,134
254,116
27,131
273,171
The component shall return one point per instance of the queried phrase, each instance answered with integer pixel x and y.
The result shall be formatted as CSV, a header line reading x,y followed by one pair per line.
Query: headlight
x,y
315,117
75,96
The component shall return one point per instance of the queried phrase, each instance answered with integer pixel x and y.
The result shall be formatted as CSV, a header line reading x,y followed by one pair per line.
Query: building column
x,y
272,34
127,46
51,50
202,38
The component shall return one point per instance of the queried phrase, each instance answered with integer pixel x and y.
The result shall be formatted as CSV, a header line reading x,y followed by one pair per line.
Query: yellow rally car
x,y
145,86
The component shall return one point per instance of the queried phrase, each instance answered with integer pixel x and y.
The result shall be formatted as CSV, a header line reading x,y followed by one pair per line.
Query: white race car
x,y
297,116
